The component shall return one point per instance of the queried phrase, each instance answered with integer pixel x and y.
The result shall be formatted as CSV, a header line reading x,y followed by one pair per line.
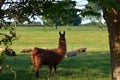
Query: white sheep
x,y
75,52
72,53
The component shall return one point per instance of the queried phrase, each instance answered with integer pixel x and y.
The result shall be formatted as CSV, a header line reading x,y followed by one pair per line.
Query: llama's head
x,y
62,36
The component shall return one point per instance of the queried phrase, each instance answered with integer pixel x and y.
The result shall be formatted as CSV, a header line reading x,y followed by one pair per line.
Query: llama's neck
x,y
62,48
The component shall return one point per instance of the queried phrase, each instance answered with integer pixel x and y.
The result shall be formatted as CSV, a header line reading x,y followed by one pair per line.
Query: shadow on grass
x,y
85,66
89,65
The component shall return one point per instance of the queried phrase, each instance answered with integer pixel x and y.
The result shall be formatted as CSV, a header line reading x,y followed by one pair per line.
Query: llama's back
x,y
46,56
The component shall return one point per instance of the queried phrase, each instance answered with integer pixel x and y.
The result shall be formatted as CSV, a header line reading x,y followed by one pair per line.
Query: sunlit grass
x,y
89,37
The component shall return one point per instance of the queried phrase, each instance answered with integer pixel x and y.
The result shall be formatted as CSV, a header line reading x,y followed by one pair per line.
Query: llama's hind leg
x,y
37,75
55,72
50,70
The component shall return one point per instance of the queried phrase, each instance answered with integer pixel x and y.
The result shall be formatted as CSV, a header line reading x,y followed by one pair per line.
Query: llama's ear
x,y
59,32
64,32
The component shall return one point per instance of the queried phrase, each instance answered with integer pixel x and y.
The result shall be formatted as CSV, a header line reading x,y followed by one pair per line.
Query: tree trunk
x,y
112,18
56,27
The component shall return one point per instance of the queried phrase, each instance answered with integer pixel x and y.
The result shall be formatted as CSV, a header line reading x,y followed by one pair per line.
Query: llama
x,y
50,57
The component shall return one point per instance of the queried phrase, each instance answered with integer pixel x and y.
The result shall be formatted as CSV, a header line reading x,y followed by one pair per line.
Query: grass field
x,y
91,65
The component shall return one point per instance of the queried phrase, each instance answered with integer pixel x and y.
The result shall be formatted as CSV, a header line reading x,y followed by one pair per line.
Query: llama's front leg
x,y
36,69
37,75
37,66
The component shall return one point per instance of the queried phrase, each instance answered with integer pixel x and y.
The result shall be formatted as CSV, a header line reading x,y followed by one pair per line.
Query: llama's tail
x,y
35,51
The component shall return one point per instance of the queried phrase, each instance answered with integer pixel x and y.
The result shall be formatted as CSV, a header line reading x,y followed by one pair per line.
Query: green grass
x,y
92,65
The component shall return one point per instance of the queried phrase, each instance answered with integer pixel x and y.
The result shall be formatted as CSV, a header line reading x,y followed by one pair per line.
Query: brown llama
x,y
50,57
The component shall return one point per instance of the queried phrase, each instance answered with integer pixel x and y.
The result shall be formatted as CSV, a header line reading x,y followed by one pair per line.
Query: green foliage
x,y
7,38
107,4
2,65
60,12
91,9
2,57
93,12
54,10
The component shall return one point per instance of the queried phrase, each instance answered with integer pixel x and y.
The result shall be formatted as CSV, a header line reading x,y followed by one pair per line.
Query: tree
x,y
77,20
111,14
7,38
61,12
93,12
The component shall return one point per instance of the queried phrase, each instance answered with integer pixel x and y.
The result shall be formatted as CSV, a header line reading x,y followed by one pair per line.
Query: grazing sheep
x,y
72,53
50,57
82,49
10,52
26,50
75,52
